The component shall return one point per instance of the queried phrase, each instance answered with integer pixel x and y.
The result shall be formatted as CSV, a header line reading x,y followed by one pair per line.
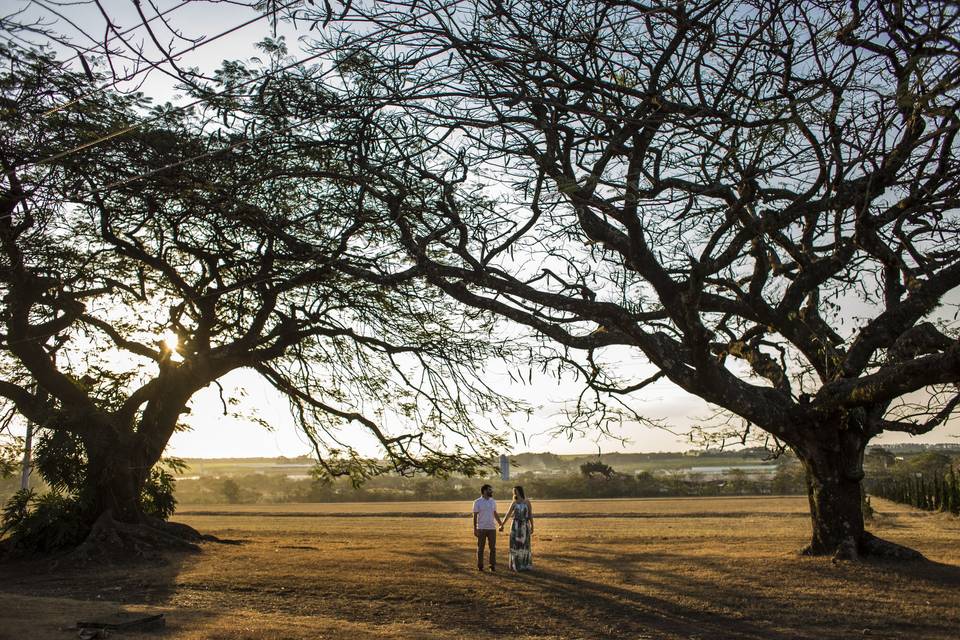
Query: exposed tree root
x,y
113,541
868,546
875,547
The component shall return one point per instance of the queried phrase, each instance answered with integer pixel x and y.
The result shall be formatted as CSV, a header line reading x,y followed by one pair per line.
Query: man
x,y
485,523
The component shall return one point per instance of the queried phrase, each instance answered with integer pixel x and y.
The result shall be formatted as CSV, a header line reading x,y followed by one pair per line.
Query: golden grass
x,y
690,568
639,506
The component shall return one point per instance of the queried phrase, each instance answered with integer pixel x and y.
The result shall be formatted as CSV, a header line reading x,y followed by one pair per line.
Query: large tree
x,y
758,197
146,253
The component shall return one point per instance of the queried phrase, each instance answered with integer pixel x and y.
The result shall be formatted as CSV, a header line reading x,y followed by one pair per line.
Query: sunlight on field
x,y
693,568
642,506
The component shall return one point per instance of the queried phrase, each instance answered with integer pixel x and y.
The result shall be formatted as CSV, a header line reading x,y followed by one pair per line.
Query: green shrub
x,y
43,523
157,497
61,460
15,510
57,519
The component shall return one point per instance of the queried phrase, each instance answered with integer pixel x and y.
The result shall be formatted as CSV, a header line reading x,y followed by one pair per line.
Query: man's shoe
x,y
493,569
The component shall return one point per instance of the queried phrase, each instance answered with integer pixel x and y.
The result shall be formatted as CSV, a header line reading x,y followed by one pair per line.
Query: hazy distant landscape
x,y
749,471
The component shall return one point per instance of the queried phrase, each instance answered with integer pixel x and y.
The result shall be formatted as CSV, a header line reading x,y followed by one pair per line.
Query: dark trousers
x,y
484,536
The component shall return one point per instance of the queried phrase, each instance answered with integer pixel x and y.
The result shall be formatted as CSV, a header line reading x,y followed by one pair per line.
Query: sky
x,y
217,435
232,437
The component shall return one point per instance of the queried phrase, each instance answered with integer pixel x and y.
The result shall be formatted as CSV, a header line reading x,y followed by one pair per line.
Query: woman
x,y
520,531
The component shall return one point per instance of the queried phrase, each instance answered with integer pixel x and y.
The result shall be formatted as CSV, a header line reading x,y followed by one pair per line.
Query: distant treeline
x,y
520,462
545,475
254,488
938,490
586,480
550,476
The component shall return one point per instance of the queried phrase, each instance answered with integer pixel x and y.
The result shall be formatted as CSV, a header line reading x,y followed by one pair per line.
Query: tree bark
x,y
120,456
836,512
118,465
115,479
834,466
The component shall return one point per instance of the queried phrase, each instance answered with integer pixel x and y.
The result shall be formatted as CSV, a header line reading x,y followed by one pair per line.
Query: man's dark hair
x,y
485,487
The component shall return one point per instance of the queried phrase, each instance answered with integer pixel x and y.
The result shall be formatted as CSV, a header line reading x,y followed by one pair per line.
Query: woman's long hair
x,y
518,493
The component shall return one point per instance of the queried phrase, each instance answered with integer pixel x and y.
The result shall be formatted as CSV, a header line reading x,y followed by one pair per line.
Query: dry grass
x,y
690,568
625,506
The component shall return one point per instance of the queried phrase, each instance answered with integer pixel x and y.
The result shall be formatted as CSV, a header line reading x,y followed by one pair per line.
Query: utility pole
x,y
27,446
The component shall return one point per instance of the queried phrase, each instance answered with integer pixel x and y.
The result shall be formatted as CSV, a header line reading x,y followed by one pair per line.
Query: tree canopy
x,y
759,197
148,251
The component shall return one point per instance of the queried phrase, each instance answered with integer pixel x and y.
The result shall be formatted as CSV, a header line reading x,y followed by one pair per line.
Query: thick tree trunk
x,y
115,477
834,474
117,470
120,458
834,492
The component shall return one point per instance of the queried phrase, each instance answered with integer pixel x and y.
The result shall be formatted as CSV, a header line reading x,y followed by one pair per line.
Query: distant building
x,y
504,467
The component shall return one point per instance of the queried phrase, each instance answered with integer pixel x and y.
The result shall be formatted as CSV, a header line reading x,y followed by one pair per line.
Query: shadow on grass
x,y
630,612
657,595
537,599
142,582
581,591
934,573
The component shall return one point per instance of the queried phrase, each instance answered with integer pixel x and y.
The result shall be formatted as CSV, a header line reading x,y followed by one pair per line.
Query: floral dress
x,y
520,556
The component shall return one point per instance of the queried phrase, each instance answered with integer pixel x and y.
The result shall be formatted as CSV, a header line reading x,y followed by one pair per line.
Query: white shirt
x,y
484,508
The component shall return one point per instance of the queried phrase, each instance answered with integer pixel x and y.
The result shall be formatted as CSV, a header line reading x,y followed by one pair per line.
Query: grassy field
x,y
659,568
612,507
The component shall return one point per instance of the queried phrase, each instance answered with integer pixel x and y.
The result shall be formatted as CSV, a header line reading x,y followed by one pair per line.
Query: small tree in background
x,y
231,491
595,469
